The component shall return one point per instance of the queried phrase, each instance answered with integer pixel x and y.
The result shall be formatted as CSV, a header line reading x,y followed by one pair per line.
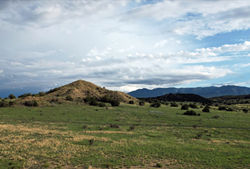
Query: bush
x,y
193,106
4,104
184,107
102,105
245,110
174,105
11,96
131,102
115,102
230,109
156,104
87,99
93,102
206,109
190,113
222,108
142,103
69,98
31,103
41,94
108,99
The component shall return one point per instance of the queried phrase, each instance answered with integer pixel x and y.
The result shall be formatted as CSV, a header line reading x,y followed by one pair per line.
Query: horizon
x,y
123,45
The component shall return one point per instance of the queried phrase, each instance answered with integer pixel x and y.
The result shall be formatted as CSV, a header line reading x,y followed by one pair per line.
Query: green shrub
x,y
102,105
115,102
131,102
69,98
31,103
11,96
159,165
184,107
4,104
193,105
190,113
156,104
174,105
230,109
142,102
222,108
245,110
42,94
206,109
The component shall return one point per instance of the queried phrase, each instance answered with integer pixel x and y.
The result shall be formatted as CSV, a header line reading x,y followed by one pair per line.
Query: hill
x,y
181,97
81,89
206,92
77,91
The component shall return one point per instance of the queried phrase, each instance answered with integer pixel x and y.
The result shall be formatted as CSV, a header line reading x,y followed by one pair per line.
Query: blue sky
x,y
123,45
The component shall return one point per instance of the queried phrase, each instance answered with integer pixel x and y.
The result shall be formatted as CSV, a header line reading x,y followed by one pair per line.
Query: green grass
x,y
54,137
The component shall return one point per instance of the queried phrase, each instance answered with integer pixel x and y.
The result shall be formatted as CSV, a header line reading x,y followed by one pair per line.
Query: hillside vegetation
x,y
76,91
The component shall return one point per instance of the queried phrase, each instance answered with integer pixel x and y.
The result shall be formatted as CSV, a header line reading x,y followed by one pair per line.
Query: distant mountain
x,y
181,97
202,91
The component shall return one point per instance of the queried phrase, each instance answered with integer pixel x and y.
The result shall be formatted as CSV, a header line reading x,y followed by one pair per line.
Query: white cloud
x,y
242,65
1,71
199,18
161,43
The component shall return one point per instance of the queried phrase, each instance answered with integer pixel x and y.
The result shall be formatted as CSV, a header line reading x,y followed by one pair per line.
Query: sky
x,y
123,45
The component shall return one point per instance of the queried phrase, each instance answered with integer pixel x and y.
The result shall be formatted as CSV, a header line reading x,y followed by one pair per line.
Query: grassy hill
x,y
81,89
77,90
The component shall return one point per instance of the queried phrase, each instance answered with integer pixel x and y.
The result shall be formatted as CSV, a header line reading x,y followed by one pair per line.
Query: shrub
x,y
93,102
41,94
69,98
222,108
131,102
155,104
190,113
31,103
11,96
193,105
206,109
230,109
87,99
174,105
142,103
184,107
115,102
102,105
4,104
159,165
245,110
11,103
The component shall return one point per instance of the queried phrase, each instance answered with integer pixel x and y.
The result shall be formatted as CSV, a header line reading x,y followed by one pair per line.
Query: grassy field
x,y
128,136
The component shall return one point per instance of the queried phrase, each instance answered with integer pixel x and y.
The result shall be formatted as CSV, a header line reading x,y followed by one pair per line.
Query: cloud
x,y
242,65
49,13
199,18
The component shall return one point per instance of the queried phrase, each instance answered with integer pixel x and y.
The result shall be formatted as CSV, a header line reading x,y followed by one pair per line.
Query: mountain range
x,y
206,92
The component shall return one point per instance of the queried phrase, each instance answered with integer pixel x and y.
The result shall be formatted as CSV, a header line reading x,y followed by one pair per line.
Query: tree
x,y
11,96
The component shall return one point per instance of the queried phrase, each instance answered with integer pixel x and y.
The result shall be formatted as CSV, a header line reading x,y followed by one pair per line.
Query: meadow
x,y
127,136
